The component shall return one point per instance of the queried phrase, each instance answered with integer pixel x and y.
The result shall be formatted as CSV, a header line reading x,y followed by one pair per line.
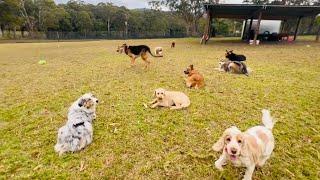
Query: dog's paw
x,y
218,166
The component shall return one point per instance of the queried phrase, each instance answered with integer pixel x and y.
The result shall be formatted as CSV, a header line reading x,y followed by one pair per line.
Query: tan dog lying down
x,y
172,99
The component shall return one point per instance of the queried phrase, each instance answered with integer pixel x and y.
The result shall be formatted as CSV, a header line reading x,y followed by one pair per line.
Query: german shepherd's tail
x,y
148,50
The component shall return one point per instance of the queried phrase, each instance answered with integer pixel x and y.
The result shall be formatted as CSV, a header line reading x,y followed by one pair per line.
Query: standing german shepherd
x,y
136,51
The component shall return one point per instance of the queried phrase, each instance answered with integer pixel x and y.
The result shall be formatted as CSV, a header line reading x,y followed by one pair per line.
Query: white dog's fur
x,y
249,149
158,51
78,131
172,99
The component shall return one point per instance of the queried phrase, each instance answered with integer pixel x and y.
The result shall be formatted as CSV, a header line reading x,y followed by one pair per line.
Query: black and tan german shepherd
x,y
136,51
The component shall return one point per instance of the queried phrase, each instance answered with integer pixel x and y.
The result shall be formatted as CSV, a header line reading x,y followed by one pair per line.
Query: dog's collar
x,y
78,124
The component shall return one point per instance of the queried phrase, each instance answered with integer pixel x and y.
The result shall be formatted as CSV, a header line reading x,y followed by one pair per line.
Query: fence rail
x,y
56,35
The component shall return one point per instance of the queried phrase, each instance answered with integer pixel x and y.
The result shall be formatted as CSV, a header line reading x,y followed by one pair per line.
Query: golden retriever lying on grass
x,y
172,99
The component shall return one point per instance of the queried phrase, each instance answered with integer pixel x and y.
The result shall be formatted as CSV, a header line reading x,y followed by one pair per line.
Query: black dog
x,y
234,57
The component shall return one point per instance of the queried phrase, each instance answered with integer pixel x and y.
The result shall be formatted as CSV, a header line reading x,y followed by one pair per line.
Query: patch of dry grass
x,y
131,141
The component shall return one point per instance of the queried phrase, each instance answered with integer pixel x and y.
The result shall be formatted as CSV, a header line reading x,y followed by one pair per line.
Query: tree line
x,y
184,17
34,16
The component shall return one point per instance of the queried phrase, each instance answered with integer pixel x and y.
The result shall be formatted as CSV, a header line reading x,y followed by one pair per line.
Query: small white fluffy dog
x,y
172,99
78,131
158,51
249,149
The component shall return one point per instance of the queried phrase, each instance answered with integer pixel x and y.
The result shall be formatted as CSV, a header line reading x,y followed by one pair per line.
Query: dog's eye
x,y
228,139
239,141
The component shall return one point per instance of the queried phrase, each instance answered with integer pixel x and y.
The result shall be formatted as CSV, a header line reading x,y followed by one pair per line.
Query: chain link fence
x,y
55,35
58,35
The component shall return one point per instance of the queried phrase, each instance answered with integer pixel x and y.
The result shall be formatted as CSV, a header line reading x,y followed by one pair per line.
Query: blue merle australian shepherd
x,y
78,131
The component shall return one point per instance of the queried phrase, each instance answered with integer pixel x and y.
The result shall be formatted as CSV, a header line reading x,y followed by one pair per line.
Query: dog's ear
x,y
231,51
218,146
251,148
191,66
81,102
155,94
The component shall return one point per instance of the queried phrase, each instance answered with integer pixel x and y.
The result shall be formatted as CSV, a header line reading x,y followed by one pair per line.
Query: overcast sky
x,y
133,4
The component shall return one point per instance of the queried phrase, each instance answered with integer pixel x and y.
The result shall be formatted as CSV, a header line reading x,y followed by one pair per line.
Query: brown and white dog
x,y
194,79
136,51
235,67
249,149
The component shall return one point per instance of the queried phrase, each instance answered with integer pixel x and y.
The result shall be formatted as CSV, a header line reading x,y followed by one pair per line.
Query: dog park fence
x,y
55,35
58,35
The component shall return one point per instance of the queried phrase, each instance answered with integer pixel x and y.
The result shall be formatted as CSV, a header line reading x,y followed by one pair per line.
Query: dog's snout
x,y
233,151
97,101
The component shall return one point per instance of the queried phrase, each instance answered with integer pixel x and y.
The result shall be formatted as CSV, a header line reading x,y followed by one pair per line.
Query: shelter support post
x,y
206,34
250,27
244,30
297,28
318,34
257,29
284,22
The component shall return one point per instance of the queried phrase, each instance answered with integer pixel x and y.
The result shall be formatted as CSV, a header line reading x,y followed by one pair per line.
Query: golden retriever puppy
x,y
194,79
172,99
247,149
158,51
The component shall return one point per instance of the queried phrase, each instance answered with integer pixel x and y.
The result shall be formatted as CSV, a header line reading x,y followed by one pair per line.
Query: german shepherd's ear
x,y
231,51
191,66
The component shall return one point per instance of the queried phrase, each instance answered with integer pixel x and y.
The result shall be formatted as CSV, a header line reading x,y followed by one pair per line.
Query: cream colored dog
x,y
158,51
172,99
249,149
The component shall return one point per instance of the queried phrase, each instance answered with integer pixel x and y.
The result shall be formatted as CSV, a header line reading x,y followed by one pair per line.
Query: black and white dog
x,y
234,57
78,131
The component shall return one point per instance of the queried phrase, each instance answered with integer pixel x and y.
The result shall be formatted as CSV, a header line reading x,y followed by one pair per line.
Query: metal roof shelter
x,y
266,12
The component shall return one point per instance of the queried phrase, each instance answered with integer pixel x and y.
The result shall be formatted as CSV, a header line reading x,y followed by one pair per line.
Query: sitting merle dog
x,y
234,57
77,133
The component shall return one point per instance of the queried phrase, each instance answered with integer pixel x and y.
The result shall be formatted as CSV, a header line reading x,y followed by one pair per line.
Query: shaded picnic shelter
x,y
249,12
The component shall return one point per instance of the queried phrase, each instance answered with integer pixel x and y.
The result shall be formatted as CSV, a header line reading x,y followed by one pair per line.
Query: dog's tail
x,y
267,120
148,50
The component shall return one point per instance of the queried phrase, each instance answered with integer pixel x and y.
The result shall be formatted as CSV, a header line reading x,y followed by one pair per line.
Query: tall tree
x,y
190,10
9,15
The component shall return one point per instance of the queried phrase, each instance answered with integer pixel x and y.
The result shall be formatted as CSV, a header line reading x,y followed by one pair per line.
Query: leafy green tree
x,y
190,10
83,22
9,15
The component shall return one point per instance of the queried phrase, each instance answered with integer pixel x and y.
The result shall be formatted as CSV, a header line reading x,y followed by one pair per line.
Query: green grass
x,y
133,142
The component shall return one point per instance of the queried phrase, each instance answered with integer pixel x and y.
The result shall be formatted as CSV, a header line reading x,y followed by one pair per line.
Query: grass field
x,y
134,142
